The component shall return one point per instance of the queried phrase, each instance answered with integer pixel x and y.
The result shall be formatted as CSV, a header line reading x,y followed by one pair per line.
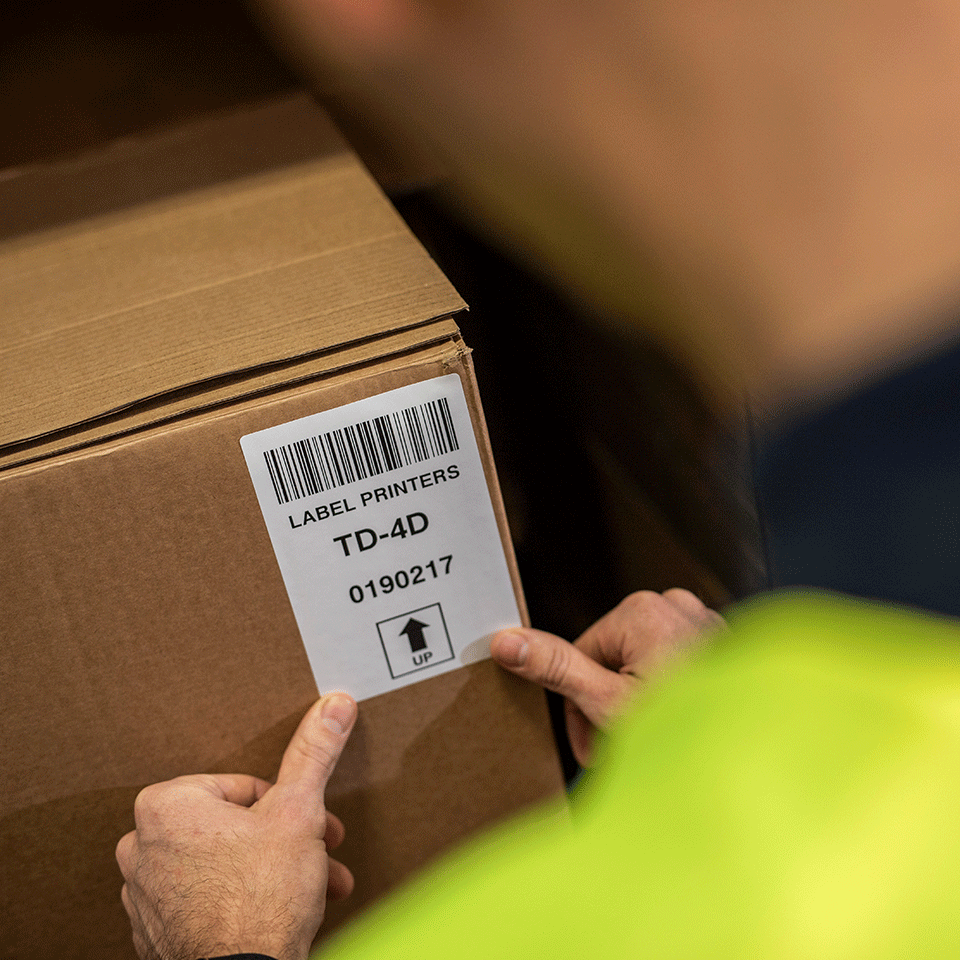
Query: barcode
x,y
343,456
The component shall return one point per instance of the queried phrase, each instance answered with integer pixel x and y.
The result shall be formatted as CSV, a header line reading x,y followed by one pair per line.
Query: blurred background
x,y
617,473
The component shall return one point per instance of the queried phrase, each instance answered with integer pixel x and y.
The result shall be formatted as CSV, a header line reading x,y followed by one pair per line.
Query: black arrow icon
x,y
414,633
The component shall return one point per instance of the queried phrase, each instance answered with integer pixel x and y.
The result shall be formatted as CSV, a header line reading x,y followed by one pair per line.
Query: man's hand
x,y
222,863
598,673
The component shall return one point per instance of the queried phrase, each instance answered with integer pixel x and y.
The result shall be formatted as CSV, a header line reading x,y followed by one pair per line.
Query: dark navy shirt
x,y
864,496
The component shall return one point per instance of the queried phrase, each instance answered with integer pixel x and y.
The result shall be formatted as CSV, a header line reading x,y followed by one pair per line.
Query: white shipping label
x,y
386,538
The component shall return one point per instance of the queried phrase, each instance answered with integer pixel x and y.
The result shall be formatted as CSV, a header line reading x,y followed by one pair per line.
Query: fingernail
x,y
511,649
338,711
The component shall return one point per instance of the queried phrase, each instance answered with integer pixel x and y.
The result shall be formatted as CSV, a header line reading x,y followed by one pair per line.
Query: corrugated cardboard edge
x,y
210,395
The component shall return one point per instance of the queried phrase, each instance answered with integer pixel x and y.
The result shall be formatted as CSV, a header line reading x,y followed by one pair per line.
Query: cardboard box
x,y
158,302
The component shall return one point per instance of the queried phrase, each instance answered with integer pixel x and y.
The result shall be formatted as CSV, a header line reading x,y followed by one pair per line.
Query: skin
x,y
600,672
222,864
774,188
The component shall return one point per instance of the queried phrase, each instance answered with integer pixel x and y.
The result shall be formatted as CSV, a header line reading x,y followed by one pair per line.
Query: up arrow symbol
x,y
414,633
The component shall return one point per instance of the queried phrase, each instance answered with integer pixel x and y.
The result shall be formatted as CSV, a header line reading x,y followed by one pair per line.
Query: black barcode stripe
x,y
360,450
399,436
410,432
285,461
274,477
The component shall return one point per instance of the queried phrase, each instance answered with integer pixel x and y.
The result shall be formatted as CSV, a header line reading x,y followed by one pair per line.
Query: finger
x,y
125,900
335,833
559,666
340,880
124,852
315,747
581,734
153,801
140,944
632,631
686,601
694,608
643,632
237,788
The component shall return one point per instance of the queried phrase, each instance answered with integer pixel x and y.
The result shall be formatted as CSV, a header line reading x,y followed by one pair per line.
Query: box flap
x,y
214,393
232,261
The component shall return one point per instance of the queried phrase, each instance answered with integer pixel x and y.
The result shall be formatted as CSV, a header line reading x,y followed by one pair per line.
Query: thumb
x,y
561,667
315,747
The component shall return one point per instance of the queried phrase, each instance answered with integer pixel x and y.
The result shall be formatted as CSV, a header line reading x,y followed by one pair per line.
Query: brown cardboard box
x,y
157,302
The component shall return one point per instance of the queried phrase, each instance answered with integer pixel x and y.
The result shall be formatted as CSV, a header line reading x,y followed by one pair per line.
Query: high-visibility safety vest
x,y
790,792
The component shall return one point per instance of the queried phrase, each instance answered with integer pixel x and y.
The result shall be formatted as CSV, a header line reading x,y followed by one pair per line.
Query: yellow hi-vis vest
x,y
790,793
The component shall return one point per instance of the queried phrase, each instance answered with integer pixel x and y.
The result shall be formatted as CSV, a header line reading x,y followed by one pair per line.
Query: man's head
x,y
770,186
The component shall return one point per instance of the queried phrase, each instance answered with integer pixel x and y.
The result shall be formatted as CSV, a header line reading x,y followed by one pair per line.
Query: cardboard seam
x,y
53,334
84,447
239,373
